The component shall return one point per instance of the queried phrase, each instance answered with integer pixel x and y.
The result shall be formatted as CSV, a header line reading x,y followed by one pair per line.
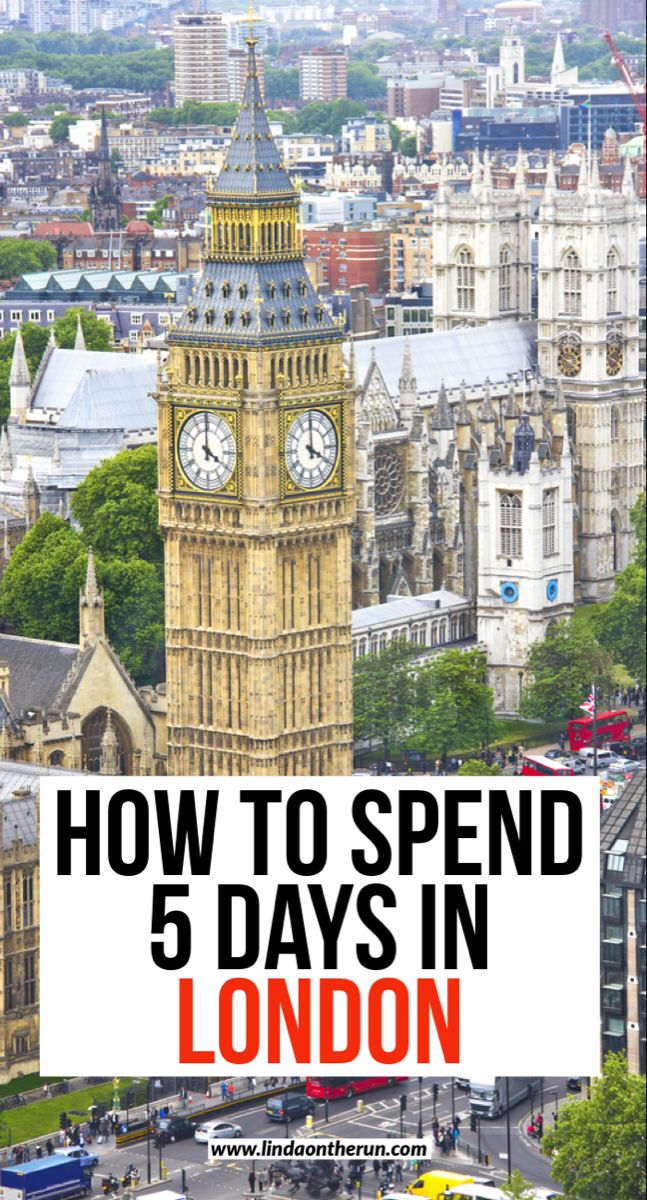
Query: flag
x,y
589,704
585,103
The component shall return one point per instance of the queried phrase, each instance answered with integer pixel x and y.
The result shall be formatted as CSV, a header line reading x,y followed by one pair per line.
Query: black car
x,y
635,749
173,1129
282,1108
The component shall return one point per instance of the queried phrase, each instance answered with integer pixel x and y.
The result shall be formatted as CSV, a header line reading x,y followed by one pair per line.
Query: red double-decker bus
x,y
611,727
333,1087
536,764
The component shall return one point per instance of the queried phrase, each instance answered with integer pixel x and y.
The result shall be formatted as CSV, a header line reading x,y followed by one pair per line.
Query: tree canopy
x,y
116,509
99,60
561,670
383,695
97,334
195,112
59,130
281,84
598,1146
454,707
19,256
365,82
620,625
476,766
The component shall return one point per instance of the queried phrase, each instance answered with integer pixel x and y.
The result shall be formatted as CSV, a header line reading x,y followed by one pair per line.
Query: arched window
x,y
549,521
196,369
572,284
507,299
187,368
465,294
612,282
510,524
515,72
615,547
56,758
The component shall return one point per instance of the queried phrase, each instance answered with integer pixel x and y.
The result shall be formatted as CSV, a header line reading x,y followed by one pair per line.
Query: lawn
x,y
42,1117
26,1083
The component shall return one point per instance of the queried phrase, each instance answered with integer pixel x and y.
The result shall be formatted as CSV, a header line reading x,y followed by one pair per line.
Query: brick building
x,y
323,75
351,256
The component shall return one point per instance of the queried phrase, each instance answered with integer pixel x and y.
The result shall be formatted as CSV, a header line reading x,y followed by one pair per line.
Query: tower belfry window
x,y
572,284
510,524
465,281
612,282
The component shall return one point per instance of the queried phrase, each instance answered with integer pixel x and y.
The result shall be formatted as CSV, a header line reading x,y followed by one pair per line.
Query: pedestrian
x,y
251,1179
231,1090
39,1152
261,1180
223,1089
456,1133
252,1084
49,1146
398,1171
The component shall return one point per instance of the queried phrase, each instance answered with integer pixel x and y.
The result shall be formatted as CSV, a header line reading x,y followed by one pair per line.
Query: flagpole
x,y
594,714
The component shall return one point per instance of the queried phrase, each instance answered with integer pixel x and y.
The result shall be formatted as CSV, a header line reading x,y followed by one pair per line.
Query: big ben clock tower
x,y
256,490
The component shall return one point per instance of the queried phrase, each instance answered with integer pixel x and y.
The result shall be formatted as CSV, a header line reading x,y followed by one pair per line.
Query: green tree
x,y
518,1188
59,130
562,669
15,120
196,112
383,695
155,214
281,84
620,626
460,675
116,507
39,590
19,256
96,334
476,766
365,82
598,1147
409,146
134,606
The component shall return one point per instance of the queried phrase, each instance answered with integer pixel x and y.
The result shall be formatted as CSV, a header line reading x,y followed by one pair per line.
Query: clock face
x,y
207,451
614,356
311,449
569,359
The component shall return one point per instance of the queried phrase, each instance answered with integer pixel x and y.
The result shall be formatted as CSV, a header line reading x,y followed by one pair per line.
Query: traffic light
x,y
403,1102
63,1120
473,1122
435,1092
130,1098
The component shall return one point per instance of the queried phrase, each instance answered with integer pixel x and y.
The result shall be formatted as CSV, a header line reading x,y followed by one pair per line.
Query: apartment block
x,y
323,75
201,63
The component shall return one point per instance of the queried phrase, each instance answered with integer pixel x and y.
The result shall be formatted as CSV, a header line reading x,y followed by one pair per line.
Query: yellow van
x,y
433,1184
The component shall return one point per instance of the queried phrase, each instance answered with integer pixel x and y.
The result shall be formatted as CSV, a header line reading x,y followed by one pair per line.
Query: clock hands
x,y
207,452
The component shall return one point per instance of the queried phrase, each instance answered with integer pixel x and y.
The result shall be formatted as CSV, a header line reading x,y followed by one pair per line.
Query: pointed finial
x,y
550,186
407,378
583,181
79,340
442,414
628,188
476,174
19,374
251,17
91,588
487,171
594,176
520,172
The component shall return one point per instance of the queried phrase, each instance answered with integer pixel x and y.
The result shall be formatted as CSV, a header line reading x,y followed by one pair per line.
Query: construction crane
x,y
638,95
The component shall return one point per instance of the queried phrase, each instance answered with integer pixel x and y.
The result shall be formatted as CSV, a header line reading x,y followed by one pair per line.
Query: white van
x,y
605,757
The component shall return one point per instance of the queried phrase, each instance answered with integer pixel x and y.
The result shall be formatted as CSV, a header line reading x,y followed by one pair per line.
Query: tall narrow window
x,y
29,979
510,524
27,901
548,521
9,991
615,424
615,555
612,282
506,290
8,906
465,295
572,284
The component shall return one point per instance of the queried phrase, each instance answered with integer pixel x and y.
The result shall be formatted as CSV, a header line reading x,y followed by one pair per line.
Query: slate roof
x,y
403,607
253,166
92,389
453,356
18,813
38,670
94,284
295,310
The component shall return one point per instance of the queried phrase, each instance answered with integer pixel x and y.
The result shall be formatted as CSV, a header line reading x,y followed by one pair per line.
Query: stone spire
x,y
583,180
442,193
408,386
550,186
19,379
109,752
79,340
594,179
5,456
511,406
520,173
476,174
31,498
628,188
442,414
486,187
91,612
559,63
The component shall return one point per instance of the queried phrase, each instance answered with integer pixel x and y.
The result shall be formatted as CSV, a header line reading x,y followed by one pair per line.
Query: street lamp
x,y
508,1136
453,1103
420,1106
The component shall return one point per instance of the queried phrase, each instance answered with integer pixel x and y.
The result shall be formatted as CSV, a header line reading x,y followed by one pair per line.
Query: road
x,y
379,1120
